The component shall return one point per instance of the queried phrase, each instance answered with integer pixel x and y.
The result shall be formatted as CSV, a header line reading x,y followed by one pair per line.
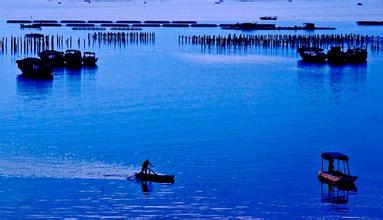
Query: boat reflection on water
x,y
30,87
146,187
90,72
336,77
350,74
85,73
337,194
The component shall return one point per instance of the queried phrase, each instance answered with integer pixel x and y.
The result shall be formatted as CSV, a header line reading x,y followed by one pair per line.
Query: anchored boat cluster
x,y
335,55
283,41
42,68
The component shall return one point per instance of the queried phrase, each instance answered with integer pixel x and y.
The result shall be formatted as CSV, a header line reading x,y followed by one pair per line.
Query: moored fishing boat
x,y
73,59
356,55
336,56
312,54
369,22
35,26
336,175
268,18
52,57
89,59
35,68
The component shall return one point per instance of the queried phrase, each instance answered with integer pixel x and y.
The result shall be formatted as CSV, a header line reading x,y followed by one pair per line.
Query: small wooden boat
x,y
89,59
356,55
368,23
35,68
339,175
248,26
152,177
73,59
52,57
336,56
34,26
268,18
312,54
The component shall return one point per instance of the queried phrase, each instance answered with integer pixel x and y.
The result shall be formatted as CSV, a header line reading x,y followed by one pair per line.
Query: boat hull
x,y
336,179
89,61
356,55
34,68
53,58
73,59
336,56
155,178
312,55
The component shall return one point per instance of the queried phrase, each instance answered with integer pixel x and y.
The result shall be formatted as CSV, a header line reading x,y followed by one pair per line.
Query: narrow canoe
x,y
155,178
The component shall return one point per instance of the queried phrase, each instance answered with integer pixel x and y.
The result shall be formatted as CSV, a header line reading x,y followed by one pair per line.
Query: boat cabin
x,y
309,26
35,68
73,52
53,57
312,54
89,59
338,170
89,54
73,59
340,159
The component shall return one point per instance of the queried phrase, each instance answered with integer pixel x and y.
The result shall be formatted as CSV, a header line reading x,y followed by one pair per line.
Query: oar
x,y
153,171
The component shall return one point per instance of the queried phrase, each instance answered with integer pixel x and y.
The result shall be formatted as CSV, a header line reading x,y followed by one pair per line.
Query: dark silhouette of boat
x,y
89,29
89,59
268,18
19,21
33,26
369,22
360,4
339,175
73,59
35,68
254,26
52,57
249,26
312,54
153,177
336,56
356,55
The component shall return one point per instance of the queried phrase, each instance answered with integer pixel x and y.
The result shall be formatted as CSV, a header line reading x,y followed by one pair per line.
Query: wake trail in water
x,y
28,167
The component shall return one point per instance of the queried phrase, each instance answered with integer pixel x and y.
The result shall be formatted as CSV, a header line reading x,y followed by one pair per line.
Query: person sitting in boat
x,y
145,166
331,166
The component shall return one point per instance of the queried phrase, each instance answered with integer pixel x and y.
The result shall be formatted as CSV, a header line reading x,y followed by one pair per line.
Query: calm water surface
x,y
242,132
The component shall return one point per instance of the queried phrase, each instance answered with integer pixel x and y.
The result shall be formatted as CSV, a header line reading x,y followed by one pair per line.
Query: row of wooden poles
x,y
122,37
32,44
284,41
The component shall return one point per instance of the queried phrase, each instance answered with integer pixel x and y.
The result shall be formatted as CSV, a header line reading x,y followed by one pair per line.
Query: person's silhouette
x,y
331,166
145,166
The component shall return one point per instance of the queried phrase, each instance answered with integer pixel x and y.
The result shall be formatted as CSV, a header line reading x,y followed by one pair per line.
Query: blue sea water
x,y
242,132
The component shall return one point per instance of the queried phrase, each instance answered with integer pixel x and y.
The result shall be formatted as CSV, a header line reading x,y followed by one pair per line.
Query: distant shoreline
x,y
207,11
